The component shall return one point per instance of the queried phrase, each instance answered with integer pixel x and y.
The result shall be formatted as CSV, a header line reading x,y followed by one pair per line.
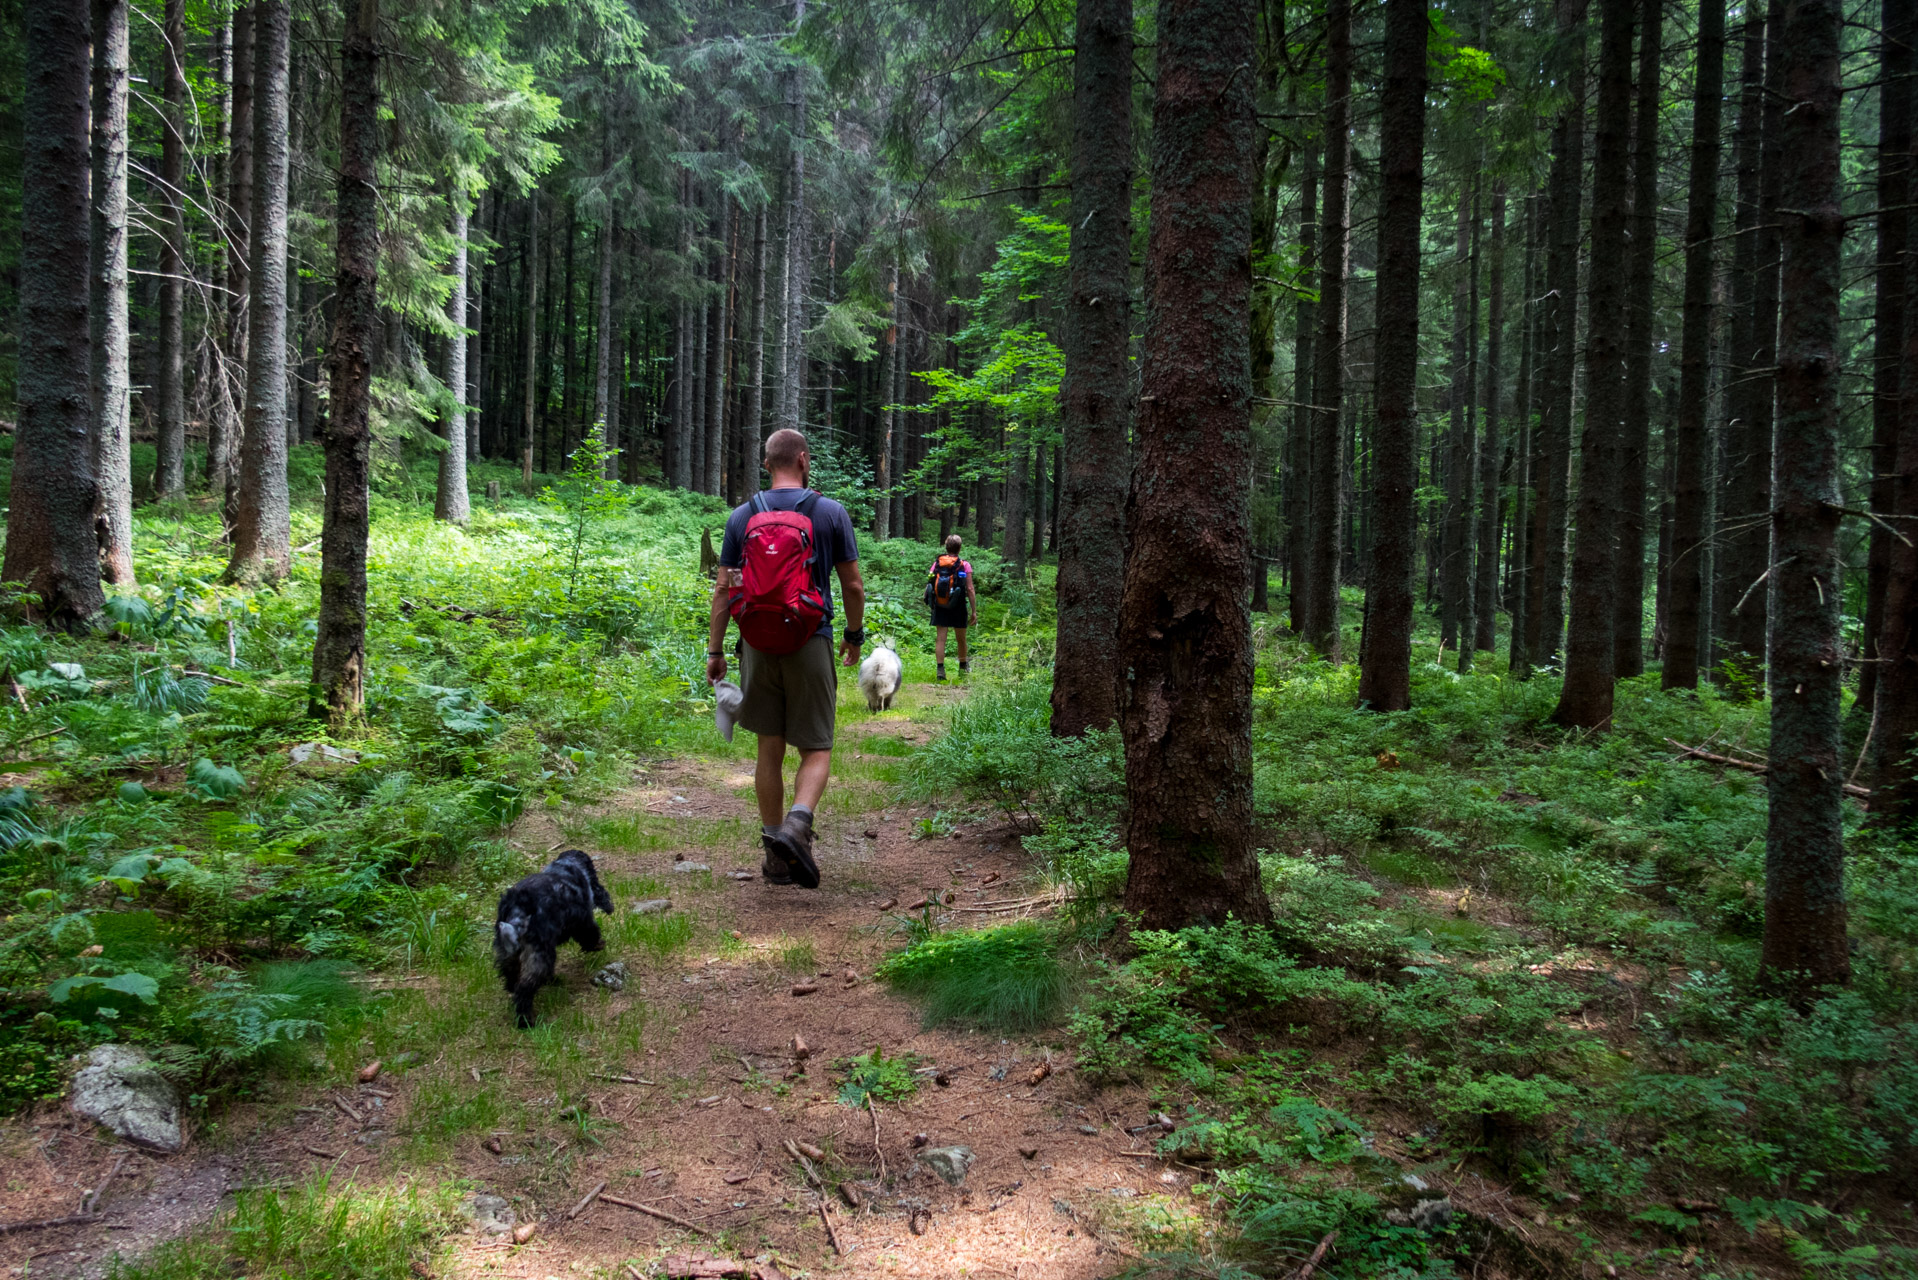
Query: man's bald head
x,y
785,452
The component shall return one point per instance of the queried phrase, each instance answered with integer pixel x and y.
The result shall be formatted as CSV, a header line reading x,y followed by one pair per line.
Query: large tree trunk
x,y
1485,585
530,283
169,472
1635,439
1323,614
111,387
798,261
262,529
1691,465
607,386
1744,532
755,426
1586,699
1894,721
1385,659
1524,471
223,426
882,509
897,393
50,541
450,499
716,346
1895,62
1096,393
1560,342
1298,503
1804,945
1454,558
1184,640
339,648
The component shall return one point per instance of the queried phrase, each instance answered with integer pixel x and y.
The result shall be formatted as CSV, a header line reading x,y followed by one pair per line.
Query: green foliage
x,y
587,502
1008,978
308,1232
875,1076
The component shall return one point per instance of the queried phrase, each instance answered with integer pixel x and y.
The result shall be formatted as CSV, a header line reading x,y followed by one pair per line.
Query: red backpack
x,y
776,604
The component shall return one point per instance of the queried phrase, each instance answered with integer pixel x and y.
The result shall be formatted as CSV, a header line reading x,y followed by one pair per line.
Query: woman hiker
x,y
949,590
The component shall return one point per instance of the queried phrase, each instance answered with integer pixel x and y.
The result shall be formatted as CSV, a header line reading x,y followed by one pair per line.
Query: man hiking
x,y
775,579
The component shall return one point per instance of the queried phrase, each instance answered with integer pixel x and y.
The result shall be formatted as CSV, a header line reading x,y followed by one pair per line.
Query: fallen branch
x,y
651,1212
1318,1256
587,1202
208,675
832,1237
37,1223
1751,766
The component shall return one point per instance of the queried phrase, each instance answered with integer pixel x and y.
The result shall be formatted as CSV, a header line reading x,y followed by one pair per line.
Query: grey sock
x,y
768,831
800,808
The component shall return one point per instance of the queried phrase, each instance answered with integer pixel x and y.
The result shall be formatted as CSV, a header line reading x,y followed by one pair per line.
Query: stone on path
x,y
612,977
652,906
950,1163
122,1089
490,1214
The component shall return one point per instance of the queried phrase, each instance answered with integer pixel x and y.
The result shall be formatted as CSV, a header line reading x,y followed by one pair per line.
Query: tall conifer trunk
x,y
1524,470
1455,559
1586,699
1298,499
889,354
755,426
530,275
229,402
798,260
50,542
450,500
715,363
1184,640
1385,660
1691,433
1560,355
1323,614
1096,394
169,472
1804,946
1635,440
1895,62
112,391
262,528
1485,584
339,648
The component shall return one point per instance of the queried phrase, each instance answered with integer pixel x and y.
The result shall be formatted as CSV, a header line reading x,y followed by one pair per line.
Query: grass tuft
x,y
1008,978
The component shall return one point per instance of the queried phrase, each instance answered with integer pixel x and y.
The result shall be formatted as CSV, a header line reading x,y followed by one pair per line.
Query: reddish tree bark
x,y
1385,655
1184,639
1804,946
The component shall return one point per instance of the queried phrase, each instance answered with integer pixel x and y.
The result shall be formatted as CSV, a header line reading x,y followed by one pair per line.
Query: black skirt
x,y
950,615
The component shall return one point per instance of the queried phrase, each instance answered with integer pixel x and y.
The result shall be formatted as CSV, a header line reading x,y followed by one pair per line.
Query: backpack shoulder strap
x,y
757,503
807,503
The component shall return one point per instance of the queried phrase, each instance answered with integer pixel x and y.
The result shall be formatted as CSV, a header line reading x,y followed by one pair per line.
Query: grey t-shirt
x,y
833,538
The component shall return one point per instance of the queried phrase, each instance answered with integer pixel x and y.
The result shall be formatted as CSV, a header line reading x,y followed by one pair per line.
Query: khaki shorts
x,y
794,697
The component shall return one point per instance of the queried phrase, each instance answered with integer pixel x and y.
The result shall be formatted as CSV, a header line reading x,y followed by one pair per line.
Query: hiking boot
x,y
942,672
774,869
965,665
793,843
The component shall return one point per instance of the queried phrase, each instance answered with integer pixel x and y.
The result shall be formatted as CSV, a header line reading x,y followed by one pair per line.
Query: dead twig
x,y
651,1212
832,1237
92,1204
587,1201
876,1149
38,1223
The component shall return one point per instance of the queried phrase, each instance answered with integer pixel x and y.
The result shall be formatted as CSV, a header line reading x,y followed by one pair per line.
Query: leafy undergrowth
x,y
1499,949
183,878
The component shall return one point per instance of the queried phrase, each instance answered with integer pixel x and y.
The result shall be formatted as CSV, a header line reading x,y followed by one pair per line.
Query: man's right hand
x,y
715,668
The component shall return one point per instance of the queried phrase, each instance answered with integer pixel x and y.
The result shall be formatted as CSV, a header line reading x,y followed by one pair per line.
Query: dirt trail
x,y
679,1092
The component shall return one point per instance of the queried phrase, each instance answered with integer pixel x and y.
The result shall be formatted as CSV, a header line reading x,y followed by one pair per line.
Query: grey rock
x,y
1089,1130
950,1163
1427,1215
490,1214
652,906
692,866
121,1088
406,1059
1415,1182
612,977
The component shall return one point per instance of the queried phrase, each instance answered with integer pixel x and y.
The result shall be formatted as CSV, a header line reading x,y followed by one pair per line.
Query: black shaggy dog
x,y
539,913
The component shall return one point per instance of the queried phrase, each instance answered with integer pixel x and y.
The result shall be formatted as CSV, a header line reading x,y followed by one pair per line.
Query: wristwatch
x,y
855,635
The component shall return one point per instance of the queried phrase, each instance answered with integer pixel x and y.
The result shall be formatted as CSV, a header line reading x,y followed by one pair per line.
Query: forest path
x,y
677,1092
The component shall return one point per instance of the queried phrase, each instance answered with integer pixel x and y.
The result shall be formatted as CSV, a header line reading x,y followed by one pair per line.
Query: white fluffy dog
x,y
879,677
